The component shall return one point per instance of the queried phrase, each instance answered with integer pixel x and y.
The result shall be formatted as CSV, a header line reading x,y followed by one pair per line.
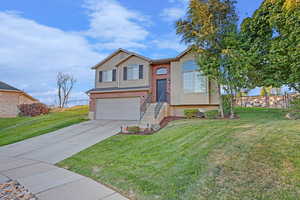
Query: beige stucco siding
x,y
134,83
109,65
179,96
9,102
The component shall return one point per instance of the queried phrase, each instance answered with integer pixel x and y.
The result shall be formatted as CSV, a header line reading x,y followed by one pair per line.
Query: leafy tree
x,y
273,38
210,27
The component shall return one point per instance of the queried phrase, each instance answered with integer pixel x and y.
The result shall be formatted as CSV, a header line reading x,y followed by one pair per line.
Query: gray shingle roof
x,y
5,86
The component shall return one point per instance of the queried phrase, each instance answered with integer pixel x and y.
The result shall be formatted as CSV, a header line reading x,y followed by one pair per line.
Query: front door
x,y
161,90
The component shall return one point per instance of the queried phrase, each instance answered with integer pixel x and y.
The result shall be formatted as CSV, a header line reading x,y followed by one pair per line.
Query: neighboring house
x,y
10,98
129,86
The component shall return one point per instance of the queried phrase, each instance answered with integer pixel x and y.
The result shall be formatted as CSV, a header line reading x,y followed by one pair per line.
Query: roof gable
x,y
130,56
8,88
129,53
5,86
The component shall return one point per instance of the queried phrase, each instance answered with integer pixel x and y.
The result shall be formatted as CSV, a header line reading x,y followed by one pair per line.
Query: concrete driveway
x,y
59,145
30,162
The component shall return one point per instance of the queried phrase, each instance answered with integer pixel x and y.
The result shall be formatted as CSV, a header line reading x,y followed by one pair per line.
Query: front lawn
x,y
16,129
255,157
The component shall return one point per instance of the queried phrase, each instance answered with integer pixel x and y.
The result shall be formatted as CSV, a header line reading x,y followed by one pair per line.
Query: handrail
x,y
145,105
158,106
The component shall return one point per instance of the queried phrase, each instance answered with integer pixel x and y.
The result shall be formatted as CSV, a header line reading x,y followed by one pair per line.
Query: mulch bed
x,y
162,124
167,120
12,190
146,132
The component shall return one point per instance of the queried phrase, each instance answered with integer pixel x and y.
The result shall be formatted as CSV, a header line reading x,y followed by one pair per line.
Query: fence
x,y
274,101
76,102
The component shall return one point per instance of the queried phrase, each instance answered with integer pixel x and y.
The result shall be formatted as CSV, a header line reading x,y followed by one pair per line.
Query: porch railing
x,y
159,105
145,105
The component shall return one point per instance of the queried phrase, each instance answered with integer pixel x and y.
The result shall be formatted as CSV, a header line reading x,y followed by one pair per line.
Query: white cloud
x,y
116,26
31,54
173,14
176,11
170,41
184,2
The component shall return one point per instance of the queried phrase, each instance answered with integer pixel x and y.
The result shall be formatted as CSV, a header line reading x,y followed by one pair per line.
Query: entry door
x,y
161,90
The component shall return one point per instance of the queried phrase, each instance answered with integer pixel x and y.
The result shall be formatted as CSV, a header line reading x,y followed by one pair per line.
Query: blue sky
x,y
40,38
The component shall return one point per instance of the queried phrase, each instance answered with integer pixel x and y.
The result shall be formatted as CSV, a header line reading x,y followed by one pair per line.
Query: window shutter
x,y
125,73
100,76
114,75
141,71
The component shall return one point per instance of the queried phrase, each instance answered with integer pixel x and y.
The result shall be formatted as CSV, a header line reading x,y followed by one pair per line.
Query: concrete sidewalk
x,y
30,162
49,182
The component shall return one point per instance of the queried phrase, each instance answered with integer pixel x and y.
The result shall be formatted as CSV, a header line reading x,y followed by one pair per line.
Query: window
x,y
133,72
193,79
107,76
161,71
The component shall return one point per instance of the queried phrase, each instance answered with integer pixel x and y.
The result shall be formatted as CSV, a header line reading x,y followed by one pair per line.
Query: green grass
x,y
20,128
254,157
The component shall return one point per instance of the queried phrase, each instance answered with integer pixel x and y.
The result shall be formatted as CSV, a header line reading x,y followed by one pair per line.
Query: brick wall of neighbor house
x,y
94,96
9,102
156,77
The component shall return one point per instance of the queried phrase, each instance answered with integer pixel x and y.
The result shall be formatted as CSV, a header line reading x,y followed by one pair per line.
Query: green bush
x,y
133,129
211,114
295,104
191,113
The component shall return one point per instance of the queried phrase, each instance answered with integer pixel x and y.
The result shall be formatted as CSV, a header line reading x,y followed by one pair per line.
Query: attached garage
x,y
118,108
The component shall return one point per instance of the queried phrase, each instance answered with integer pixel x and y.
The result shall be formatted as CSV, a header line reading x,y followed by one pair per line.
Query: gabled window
x,y
107,76
193,79
133,72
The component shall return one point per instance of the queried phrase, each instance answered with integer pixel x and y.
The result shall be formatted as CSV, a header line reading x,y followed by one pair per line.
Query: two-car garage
x,y
118,108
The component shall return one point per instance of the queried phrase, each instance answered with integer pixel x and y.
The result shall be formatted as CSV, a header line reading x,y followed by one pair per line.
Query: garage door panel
x,y
118,109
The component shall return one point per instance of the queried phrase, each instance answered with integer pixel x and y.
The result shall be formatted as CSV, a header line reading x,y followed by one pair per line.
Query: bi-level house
x,y
129,86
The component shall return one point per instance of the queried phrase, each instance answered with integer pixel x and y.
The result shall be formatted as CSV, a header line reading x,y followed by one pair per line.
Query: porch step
x,y
148,119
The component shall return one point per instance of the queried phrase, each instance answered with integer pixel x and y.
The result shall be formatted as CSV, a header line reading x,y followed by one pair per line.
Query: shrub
x,y
133,129
34,109
294,111
191,113
295,104
211,114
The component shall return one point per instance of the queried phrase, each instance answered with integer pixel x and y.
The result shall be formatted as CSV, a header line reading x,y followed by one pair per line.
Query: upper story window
x,y
161,71
133,72
193,79
107,76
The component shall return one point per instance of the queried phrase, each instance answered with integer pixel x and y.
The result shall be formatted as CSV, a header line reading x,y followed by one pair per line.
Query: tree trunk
x,y
232,114
221,109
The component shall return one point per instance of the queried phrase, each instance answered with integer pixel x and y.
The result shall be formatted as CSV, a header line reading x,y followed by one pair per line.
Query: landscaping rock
x,y
293,115
155,127
12,190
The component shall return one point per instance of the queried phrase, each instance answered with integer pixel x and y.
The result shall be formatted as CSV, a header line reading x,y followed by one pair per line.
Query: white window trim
x,y
103,76
130,67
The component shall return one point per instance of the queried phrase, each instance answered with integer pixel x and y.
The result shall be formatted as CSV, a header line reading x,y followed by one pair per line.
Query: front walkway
x,y
30,162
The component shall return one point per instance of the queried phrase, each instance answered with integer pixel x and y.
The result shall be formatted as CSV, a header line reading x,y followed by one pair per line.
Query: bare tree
x,y
65,84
